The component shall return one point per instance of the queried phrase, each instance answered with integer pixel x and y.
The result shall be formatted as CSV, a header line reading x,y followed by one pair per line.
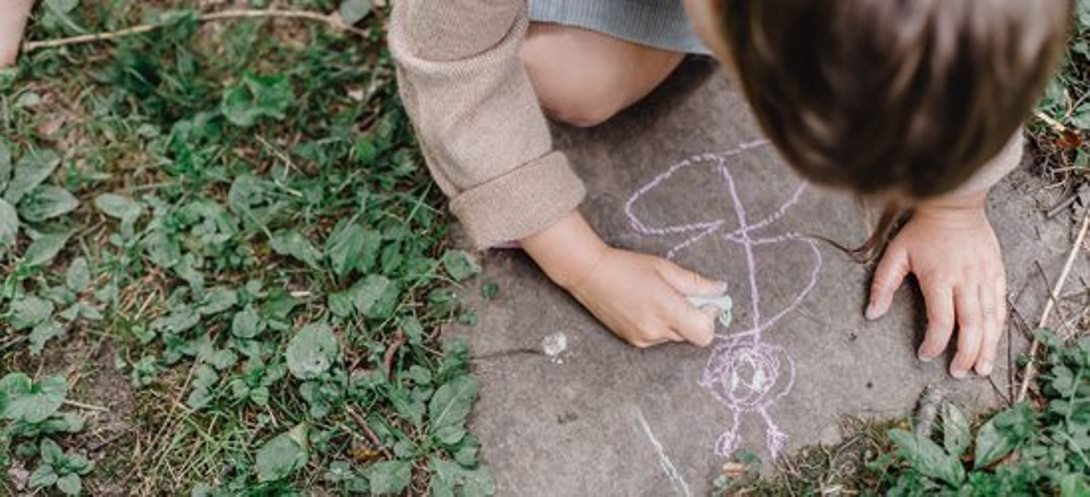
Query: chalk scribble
x,y
746,373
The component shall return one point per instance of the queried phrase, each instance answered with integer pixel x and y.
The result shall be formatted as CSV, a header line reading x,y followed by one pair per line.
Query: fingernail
x,y
720,287
985,368
873,312
959,373
924,357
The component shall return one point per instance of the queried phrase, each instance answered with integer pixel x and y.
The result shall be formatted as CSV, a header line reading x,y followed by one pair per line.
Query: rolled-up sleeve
x,y
477,117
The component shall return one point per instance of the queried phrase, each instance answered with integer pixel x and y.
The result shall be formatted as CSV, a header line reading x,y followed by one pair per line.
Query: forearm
x,y
566,251
12,24
477,117
955,201
958,210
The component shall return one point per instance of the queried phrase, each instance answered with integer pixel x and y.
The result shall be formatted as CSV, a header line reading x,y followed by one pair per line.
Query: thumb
x,y
694,325
687,282
891,271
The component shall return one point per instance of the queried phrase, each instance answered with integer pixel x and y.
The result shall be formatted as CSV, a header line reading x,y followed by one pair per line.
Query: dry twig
x,y
391,353
1027,374
333,21
362,423
1054,124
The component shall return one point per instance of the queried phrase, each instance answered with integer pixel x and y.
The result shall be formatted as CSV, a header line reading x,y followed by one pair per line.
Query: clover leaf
x,y
312,351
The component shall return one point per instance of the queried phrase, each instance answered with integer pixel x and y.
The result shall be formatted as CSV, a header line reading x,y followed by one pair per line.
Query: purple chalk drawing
x,y
746,373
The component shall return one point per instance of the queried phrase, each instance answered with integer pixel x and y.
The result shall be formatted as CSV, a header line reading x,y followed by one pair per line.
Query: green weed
x,y
1063,114
234,218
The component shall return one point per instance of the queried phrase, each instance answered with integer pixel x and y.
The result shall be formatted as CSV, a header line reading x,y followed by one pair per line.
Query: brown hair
x,y
904,96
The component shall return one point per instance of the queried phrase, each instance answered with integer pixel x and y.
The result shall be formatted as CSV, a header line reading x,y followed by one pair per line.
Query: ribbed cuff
x,y
520,203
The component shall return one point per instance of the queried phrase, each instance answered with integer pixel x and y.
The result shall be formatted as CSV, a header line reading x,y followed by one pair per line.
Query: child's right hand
x,y
639,297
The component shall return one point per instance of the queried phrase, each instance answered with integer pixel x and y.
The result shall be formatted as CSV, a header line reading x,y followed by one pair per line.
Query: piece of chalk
x,y
721,302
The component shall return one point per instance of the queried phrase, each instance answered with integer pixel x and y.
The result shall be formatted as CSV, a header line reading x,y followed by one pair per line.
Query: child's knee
x,y
581,95
579,108
583,78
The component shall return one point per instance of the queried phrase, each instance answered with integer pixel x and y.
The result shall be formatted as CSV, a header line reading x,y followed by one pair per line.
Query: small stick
x,y
1055,211
391,353
88,407
1053,297
1010,349
1027,374
999,391
1020,320
370,433
506,353
332,21
107,441
1050,121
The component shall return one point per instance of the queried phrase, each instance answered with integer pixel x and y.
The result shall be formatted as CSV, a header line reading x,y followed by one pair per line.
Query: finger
x,y
989,315
687,282
939,298
970,330
887,278
713,313
695,325
654,336
985,364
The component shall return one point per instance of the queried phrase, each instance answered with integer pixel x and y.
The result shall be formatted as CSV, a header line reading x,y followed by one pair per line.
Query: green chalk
x,y
721,302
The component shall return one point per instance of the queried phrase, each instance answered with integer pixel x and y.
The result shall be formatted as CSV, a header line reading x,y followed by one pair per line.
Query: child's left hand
x,y
951,248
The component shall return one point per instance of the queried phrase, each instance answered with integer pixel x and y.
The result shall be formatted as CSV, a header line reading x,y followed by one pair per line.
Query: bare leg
x,y
583,77
13,16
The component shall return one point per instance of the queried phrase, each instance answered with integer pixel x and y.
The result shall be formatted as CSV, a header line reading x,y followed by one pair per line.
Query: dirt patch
x,y
109,426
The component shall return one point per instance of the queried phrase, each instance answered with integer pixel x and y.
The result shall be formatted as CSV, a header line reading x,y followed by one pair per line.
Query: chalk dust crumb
x,y
554,345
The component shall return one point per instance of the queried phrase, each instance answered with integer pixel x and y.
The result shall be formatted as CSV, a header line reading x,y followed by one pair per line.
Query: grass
x,y
224,267
1063,115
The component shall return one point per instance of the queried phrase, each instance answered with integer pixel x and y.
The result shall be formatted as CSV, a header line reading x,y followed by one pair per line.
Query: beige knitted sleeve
x,y
482,130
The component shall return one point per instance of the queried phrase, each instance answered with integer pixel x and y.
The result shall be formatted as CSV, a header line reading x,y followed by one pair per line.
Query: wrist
x,y
567,251
961,208
971,201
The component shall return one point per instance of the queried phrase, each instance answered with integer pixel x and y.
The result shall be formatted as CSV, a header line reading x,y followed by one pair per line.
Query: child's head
x,y
902,97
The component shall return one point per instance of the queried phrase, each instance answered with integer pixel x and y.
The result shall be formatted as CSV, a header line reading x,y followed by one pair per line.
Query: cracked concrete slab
x,y
673,176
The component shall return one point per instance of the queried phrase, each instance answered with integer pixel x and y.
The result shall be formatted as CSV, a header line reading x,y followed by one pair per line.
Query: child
x,y
13,16
912,103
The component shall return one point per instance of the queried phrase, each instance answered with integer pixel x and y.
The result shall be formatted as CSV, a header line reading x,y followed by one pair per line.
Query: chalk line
x,y
744,372
664,460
